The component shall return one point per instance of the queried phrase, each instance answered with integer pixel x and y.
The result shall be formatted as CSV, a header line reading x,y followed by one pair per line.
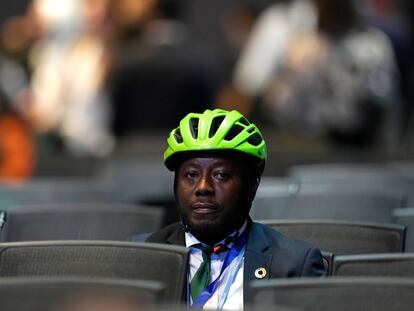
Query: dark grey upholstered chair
x,y
397,265
286,198
339,293
141,180
138,179
405,217
345,204
273,197
125,260
382,174
55,190
344,237
80,222
389,176
64,294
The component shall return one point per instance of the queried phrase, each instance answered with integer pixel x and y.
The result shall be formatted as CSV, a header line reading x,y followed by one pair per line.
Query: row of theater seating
x,y
338,293
364,210
364,277
360,220
86,294
84,275
380,193
119,222
156,273
357,246
96,273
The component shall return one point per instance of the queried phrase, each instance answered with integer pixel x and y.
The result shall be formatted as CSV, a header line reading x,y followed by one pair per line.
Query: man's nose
x,y
204,187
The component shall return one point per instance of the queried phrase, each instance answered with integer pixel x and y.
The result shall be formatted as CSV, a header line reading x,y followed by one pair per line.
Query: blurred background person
x,y
68,68
159,75
394,18
17,147
103,300
315,68
17,143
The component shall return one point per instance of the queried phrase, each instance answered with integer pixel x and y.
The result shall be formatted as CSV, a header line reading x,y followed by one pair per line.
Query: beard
x,y
211,232
207,232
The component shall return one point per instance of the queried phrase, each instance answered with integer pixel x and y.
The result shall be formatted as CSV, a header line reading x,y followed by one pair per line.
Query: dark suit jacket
x,y
266,248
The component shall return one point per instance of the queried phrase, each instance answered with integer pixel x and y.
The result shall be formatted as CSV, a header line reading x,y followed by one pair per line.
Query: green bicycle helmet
x,y
215,131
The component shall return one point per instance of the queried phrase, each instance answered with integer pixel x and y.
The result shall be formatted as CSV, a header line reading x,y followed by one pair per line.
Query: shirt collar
x,y
191,240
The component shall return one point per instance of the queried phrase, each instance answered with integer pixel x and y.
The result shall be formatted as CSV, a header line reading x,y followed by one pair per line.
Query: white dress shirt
x,y
234,299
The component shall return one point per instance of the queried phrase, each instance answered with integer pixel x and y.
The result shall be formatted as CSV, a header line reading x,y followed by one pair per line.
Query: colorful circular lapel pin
x,y
260,273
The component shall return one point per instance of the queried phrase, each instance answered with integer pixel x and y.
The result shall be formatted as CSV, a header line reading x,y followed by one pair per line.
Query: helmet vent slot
x,y
194,127
244,121
215,125
234,131
255,140
177,136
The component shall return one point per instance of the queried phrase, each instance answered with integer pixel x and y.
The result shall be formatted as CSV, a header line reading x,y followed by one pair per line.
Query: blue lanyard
x,y
230,280
234,252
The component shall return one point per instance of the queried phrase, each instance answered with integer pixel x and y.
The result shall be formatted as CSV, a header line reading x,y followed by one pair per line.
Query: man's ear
x,y
253,185
175,183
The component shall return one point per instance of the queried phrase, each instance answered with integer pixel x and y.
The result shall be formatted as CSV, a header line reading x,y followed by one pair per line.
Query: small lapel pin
x,y
260,273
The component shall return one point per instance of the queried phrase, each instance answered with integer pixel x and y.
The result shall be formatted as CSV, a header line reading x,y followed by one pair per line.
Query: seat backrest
x,y
401,265
137,179
64,294
405,217
382,174
386,177
344,237
125,260
370,294
273,198
345,204
80,222
54,190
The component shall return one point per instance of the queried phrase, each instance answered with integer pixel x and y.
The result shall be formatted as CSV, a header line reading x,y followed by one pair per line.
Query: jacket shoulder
x,y
172,234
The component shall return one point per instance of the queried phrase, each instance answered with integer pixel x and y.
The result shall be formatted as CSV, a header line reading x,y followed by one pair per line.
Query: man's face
x,y
212,196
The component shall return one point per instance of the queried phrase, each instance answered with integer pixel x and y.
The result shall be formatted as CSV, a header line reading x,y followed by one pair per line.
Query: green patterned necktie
x,y
201,278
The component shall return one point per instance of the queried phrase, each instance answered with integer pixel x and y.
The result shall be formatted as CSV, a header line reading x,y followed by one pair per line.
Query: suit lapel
x,y
257,261
177,237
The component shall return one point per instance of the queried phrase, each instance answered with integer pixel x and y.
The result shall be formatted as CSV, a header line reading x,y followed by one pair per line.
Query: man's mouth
x,y
204,208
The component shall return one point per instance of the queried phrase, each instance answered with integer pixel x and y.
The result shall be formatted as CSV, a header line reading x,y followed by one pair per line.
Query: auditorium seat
x,y
76,294
120,260
80,222
339,294
405,217
396,265
344,237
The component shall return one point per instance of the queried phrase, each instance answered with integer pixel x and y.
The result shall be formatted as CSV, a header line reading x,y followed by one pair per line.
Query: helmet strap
x,y
184,226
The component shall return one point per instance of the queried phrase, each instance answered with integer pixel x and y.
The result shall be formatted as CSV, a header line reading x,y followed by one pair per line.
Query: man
x,y
218,158
310,66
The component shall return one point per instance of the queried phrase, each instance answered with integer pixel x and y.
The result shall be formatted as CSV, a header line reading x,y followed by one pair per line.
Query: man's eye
x,y
223,175
191,174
